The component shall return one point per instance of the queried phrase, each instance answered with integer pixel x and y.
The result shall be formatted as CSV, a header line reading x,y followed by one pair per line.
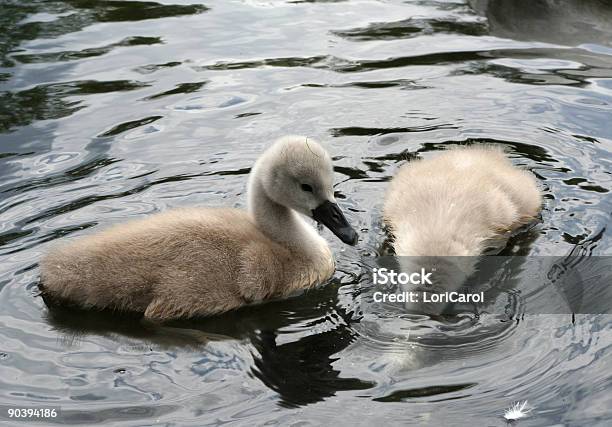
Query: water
x,y
112,110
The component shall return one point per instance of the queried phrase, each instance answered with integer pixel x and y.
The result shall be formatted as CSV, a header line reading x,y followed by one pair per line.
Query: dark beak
x,y
330,215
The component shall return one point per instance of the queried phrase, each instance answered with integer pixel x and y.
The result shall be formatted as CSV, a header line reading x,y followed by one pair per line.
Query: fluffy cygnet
x,y
203,261
458,202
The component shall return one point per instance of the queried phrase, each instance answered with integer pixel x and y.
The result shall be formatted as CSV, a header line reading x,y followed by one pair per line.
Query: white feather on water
x,y
517,411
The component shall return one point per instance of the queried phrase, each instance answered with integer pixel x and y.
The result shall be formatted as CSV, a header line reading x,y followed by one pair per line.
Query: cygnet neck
x,y
278,222
438,240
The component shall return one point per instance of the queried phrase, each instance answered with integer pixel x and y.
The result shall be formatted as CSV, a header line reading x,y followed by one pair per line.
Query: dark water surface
x,y
111,110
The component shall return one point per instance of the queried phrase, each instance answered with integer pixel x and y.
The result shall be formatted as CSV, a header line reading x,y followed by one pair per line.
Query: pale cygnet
x,y
203,261
458,202
445,211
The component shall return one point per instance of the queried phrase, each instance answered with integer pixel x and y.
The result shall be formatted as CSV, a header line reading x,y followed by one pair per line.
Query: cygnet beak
x,y
330,215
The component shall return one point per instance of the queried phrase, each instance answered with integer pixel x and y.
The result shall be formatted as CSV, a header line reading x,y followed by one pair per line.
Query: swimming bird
x,y
446,211
195,262
458,202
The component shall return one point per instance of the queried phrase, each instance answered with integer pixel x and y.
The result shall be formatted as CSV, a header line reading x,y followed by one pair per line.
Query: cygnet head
x,y
296,172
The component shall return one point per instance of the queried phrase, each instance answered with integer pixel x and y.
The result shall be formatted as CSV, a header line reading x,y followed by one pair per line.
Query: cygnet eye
x,y
306,187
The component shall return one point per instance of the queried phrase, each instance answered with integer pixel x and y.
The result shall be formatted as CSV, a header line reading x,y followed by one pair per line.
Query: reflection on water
x,y
111,110
575,22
